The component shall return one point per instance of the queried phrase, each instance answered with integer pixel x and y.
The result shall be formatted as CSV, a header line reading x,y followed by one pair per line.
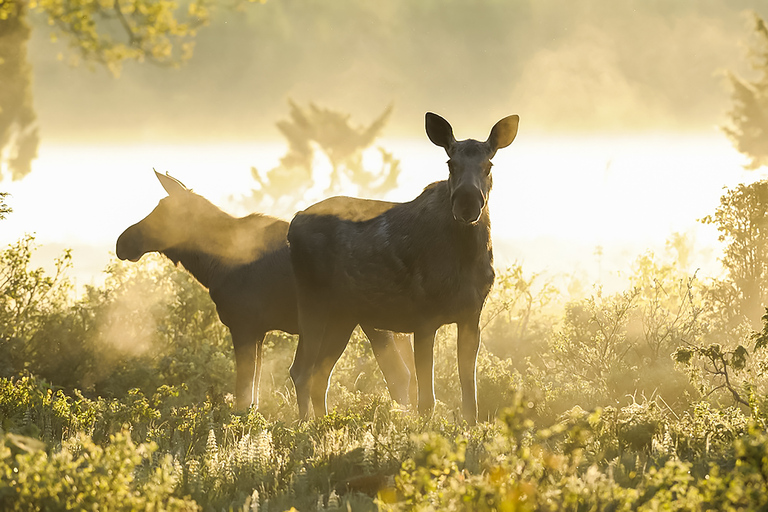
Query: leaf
x,y
739,358
683,356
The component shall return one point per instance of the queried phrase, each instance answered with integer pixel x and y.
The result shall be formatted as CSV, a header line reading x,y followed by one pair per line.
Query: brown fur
x,y
412,267
245,264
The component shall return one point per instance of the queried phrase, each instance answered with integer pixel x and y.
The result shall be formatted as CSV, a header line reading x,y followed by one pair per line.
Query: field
x,y
120,399
610,377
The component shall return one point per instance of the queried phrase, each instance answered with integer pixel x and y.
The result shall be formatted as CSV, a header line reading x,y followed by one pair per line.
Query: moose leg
x,y
391,362
405,349
312,331
334,342
301,374
257,376
467,345
247,367
423,347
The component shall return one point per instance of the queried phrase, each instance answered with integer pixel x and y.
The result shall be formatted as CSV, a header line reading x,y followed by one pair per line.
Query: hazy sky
x,y
619,101
594,66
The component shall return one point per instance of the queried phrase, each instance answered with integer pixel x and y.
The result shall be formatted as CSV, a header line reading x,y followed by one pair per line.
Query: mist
x,y
593,67
620,352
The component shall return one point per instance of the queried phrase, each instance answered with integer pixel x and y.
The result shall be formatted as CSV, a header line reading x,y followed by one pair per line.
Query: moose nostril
x,y
468,208
467,214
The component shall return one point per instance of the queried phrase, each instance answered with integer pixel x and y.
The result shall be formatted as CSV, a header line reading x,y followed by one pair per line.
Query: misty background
x,y
620,106
593,66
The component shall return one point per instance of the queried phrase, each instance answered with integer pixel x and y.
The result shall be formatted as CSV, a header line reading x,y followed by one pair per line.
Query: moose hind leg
x,y
247,361
393,367
301,373
334,342
257,376
467,345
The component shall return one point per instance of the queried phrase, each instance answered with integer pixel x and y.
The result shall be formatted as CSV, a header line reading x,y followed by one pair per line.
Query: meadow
x,y
651,398
624,380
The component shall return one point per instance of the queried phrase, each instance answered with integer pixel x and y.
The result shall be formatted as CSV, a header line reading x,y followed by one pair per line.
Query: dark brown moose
x,y
405,267
245,264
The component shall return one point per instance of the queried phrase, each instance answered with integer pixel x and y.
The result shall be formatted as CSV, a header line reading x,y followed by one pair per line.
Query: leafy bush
x,y
576,414
83,475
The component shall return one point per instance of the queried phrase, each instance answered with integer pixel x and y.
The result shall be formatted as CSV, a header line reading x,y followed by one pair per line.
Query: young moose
x,y
245,264
407,267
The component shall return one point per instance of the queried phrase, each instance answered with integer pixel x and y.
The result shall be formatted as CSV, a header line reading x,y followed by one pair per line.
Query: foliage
x,y
188,456
135,377
110,33
743,226
4,208
83,475
30,303
99,32
18,128
342,143
734,368
517,314
609,347
748,127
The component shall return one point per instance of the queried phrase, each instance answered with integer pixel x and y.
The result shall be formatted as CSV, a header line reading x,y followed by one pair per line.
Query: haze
x,y
620,104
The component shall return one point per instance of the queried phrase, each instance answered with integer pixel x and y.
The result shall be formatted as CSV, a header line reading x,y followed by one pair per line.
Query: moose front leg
x,y
392,361
467,345
247,368
335,341
423,353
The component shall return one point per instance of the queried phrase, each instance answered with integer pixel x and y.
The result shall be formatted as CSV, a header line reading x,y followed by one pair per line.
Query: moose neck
x,y
226,243
204,267
475,239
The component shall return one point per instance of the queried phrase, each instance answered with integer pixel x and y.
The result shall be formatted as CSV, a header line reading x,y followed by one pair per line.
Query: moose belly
x,y
405,299
390,273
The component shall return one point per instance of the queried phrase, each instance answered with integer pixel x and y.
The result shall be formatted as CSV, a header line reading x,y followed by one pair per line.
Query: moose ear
x,y
170,184
503,133
439,130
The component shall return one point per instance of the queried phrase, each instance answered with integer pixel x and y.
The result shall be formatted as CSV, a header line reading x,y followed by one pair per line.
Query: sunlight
x,y
555,199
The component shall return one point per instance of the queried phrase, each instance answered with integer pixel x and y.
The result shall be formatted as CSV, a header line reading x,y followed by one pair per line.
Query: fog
x,y
620,103
595,66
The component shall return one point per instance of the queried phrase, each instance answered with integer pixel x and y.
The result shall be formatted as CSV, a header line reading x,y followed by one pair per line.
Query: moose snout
x,y
127,247
467,206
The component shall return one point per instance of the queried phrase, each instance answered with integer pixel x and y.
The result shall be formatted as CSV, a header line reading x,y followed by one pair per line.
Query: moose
x,y
245,265
407,267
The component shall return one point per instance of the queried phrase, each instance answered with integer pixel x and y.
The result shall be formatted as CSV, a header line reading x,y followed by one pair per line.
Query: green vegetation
x,y
103,33
18,130
749,99
652,398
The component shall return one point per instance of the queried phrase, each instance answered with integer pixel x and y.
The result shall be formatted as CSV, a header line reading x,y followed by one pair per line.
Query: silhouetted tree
x,y
748,128
332,133
98,33
742,220
18,130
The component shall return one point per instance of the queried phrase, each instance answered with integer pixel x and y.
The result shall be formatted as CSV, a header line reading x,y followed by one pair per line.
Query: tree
x,y
742,220
99,32
748,129
18,130
332,133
